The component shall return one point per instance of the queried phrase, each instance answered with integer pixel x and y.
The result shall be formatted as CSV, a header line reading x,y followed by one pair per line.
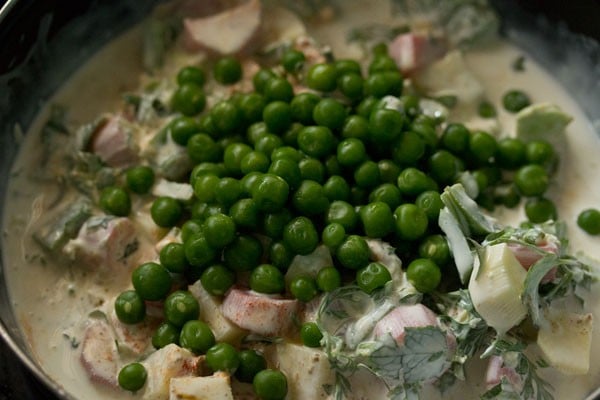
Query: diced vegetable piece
x,y
565,340
541,121
412,51
496,286
99,354
214,387
466,211
403,316
497,370
115,144
225,33
55,236
179,191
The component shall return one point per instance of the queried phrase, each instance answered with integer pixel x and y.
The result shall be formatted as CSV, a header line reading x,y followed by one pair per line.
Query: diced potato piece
x,y
541,121
223,329
307,370
165,364
214,387
566,341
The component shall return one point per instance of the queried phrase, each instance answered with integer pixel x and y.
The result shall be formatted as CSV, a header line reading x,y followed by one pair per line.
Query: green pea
x,y
140,179
172,257
386,193
353,253
292,60
288,170
151,281
191,74
377,219
531,180
188,99
226,117
274,223
132,377
424,274
219,230
357,127
482,147
330,113
511,153
382,62
411,221
303,288
223,357
351,152
343,213
300,236
345,66
435,247
589,221
233,155
115,201
248,181
198,251
333,235
279,88
515,100
385,83
366,176
322,77
336,188
277,116
202,148
252,106
227,70
374,276
312,169
266,278
316,141
254,161
310,334
388,171
288,153
217,279
351,85
130,307
328,279
180,307
251,363
455,138
280,256
385,125
270,193
486,110
243,254
182,128
166,211
302,107
412,182
207,168
310,198
196,336
410,105
245,214
408,148
270,385
164,335
540,209
260,79
205,187
366,106
444,167
431,203
268,143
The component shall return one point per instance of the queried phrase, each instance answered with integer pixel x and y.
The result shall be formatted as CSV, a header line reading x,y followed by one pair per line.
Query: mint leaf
x,y
531,295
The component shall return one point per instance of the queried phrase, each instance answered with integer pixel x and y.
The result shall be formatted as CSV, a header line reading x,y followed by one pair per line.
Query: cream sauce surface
x,y
50,301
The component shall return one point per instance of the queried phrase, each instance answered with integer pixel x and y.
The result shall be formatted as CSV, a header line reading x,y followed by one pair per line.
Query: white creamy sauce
x,y
50,301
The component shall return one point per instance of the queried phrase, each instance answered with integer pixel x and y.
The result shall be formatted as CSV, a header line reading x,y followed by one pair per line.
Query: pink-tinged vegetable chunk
x,y
228,32
134,338
405,316
497,370
262,314
99,353
413,51
104,242
114,143
528,256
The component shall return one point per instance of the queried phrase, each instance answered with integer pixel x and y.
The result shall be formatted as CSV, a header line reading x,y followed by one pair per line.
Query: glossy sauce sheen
x,y
51,301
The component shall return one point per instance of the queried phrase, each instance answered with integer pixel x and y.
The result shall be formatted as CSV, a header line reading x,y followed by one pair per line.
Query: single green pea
x,y
166,211
310,198
191,74
384,83
202,148
300,236
531,180
268,143
227,70
302,107
217,279
330,113
227,117
511,153
277,115
207,168
353,253
351,152
382,62
377,219
248,181
198,251
366,106
482,147
311,334
444,167
219,230
328,279
286,153
196,336
540,152
287,169
182,128
333,235
540,209
223,357
273,224
316,141
435,247
252,106
172,257
116,201
357,127
205,187
140,179
351,85
270,384
431,203
589,221
132,377
374,276
267,278
181,306
260,79
164,335
280,256
312,169
388,171
366,176
188,99
386,193
385,125
455,138
256,130
254,161
486,110
515,100
270,193
233,155
243,254
151,281
336,188
130,307
411,221
251,363
424,274
322,77
303,288
278,88
412,182
408,148
245,214
346,66
343,213
293,60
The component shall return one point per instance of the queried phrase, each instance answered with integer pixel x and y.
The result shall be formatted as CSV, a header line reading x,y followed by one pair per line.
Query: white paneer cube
x,y
214,387
165,364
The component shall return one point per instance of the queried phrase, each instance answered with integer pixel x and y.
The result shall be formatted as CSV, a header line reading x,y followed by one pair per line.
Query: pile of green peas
x,y
279,171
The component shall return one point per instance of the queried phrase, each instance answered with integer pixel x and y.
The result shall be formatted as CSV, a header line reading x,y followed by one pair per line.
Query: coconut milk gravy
x,y
50,301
